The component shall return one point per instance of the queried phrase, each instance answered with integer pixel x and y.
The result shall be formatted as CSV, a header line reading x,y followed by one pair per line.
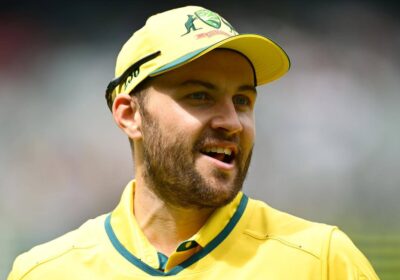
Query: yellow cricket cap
x,y
175,37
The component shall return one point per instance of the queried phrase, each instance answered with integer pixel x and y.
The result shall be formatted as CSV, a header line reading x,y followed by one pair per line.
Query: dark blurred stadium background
x,y
328,133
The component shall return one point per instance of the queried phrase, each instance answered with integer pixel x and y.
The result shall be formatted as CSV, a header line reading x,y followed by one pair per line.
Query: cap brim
x,y
269,60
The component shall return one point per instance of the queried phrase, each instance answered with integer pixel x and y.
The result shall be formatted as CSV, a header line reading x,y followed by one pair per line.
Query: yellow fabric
x,y
264,244
179,32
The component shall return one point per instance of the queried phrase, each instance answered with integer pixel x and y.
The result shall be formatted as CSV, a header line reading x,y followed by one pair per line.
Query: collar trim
x,y
194,258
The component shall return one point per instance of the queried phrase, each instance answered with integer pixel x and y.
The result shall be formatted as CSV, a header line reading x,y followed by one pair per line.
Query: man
x,y
184,94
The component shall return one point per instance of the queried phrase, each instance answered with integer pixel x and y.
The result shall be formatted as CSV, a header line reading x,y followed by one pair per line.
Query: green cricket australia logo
x,y
208,17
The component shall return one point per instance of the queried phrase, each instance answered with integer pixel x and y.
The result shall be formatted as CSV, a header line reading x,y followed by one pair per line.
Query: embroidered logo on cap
x,y
208,17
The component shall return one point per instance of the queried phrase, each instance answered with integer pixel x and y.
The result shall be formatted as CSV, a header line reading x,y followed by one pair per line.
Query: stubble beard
x,y
169,169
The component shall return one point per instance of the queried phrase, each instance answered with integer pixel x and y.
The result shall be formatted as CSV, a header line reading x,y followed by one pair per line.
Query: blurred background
x,y
327,145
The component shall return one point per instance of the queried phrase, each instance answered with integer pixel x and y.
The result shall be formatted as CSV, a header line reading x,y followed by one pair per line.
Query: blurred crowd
x,y
327,134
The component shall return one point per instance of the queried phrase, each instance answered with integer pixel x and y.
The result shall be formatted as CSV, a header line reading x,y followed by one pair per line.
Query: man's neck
x,y
164,225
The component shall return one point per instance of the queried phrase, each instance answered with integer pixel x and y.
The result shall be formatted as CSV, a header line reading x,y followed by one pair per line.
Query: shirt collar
x,y
129,234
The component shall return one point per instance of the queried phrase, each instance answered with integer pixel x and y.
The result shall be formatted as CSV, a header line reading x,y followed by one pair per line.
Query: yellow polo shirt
x,y
245,239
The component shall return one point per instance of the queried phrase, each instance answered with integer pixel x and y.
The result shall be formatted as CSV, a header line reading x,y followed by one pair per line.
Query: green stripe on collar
x,y
194,258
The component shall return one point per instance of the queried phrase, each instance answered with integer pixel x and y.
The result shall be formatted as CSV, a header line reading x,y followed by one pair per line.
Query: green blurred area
x,y
383,251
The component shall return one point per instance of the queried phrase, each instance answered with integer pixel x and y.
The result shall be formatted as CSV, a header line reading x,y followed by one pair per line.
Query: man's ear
x,y
127,116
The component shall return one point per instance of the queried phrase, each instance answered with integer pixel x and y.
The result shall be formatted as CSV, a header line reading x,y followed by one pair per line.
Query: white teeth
x,y
219,150
227,151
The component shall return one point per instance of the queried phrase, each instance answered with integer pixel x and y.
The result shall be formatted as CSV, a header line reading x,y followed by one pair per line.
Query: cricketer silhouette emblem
x,y
208,17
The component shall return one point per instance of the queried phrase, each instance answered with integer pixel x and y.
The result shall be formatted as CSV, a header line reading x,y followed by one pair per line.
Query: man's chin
x,y
222,191
224,198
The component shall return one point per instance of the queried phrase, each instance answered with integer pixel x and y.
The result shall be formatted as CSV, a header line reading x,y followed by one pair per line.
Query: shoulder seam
x,y
281,240
39,263
325,253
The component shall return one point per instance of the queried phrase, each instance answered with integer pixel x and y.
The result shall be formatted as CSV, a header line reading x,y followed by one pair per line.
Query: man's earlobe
x,y
126,115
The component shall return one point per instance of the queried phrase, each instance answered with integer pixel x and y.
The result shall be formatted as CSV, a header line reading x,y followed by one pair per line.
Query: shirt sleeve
x,y
345,260
13,275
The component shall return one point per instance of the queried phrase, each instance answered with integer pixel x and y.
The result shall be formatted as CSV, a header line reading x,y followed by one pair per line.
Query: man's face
x,y
198,130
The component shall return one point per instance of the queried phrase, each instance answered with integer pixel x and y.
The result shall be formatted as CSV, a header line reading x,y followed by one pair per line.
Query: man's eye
x,y
198,96
241,100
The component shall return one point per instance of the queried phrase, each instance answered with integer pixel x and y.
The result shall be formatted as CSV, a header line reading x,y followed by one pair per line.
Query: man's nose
x,y
226,118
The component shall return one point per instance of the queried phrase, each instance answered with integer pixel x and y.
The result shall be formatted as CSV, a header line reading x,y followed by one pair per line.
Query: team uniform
x,y
245,239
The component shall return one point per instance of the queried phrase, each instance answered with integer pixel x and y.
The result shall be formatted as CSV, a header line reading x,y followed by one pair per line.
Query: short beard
x,y
170,173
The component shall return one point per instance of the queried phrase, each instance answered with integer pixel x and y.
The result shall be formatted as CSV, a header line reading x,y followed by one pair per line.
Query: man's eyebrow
x,y
213,87
198,82
248,88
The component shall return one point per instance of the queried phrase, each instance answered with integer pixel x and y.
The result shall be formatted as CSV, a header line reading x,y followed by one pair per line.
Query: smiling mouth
x,y
225,155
